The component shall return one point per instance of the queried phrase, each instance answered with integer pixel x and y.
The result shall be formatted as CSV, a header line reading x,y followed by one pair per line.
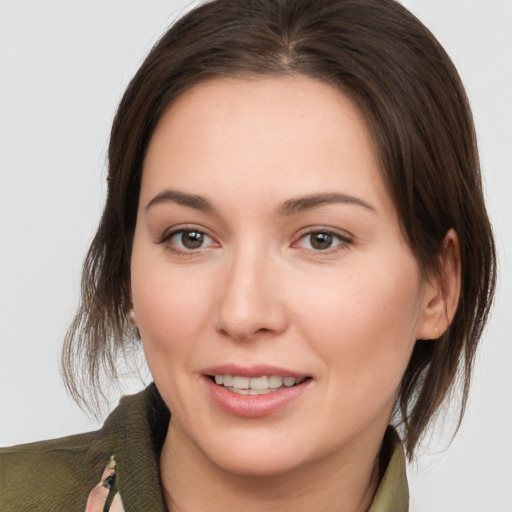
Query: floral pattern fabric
x,y
97,501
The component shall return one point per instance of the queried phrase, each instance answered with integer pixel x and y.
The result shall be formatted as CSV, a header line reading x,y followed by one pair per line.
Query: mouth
x,y
262,385
254,391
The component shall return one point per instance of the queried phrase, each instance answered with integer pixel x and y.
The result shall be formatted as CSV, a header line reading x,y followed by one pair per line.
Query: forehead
x,y
274,135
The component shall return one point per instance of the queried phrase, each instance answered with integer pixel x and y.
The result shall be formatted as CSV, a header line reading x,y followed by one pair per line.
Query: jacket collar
x,y
393,492
136,430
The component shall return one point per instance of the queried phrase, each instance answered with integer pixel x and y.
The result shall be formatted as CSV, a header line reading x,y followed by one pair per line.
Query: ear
x,y
442,291
133,317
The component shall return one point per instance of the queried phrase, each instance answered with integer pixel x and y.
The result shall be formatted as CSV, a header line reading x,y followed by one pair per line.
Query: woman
x,y
295,231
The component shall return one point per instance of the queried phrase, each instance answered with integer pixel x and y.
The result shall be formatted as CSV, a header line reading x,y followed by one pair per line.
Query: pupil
x,y
321,240
192,239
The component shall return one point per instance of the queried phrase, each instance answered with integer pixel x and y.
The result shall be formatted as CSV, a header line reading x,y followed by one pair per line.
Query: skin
x,y
258,292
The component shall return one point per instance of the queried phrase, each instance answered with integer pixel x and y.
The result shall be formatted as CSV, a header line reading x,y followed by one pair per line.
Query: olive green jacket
x,y
59,475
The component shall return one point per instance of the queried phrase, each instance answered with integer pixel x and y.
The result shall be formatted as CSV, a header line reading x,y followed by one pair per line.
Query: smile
x,y
255,385
254,392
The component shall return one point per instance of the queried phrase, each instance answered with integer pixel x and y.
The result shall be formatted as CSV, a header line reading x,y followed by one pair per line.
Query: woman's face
x,y
267,253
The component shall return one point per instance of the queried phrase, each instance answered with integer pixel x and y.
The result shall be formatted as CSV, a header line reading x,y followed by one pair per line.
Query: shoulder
x,y
52,475
61,474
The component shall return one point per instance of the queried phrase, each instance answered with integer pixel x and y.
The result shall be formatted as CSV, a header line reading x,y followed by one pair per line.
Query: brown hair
x,y
407,88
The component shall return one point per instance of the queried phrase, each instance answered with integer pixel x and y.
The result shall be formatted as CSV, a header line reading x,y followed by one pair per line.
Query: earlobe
x,y
132,317
443,291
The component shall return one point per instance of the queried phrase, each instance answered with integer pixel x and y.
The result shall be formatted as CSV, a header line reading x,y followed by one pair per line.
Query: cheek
x,y
172,306
363,323
362,329
172,312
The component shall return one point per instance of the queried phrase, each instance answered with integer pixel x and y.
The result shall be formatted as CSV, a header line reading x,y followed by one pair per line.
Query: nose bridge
x,y
249,300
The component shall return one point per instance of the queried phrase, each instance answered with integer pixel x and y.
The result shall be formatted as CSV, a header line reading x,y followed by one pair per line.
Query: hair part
x,y
414,103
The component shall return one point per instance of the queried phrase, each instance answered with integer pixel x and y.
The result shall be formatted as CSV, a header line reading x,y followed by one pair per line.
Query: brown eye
x,y
320,241
323,241
189,240
192,239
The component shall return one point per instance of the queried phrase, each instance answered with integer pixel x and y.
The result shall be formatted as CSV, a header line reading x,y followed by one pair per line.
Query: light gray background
x,y
63,67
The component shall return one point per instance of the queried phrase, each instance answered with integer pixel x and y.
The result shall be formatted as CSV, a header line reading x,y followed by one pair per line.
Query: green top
x,y
58,475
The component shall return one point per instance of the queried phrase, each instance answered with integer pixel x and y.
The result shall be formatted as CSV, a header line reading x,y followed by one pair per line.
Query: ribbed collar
x,y
136,430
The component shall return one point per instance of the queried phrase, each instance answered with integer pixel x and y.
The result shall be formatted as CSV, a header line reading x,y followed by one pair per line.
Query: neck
x,y
337,483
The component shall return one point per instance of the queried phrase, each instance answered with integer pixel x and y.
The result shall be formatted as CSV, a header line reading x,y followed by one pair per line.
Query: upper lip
x,y
257,370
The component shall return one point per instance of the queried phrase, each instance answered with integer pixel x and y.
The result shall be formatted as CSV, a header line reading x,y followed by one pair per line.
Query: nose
x,y
250,304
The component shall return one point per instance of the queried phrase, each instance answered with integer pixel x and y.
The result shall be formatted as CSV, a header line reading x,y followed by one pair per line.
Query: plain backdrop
x,y
63,67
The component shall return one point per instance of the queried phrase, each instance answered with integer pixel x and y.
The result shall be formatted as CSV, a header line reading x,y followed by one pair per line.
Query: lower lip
x,y
254,406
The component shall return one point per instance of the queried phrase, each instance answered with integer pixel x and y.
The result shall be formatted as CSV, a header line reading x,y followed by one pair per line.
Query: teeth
x,y
251,391
241,382
256,385
275,382
259,383
288,381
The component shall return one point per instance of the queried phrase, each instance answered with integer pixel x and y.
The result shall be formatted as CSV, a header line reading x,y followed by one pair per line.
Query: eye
x,y
186,240
322,240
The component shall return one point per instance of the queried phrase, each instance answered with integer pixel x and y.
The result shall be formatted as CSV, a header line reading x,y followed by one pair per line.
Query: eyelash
x,y
344,241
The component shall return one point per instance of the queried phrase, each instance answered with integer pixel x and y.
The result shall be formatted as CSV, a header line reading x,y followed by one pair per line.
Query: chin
x,y
258,464
263,455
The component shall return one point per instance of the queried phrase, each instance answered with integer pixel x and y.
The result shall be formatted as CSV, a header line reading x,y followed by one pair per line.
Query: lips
x,y
253,392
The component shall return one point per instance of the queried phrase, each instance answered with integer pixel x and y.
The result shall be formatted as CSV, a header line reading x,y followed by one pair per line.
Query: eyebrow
x,y
300,204
289,207
174,196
